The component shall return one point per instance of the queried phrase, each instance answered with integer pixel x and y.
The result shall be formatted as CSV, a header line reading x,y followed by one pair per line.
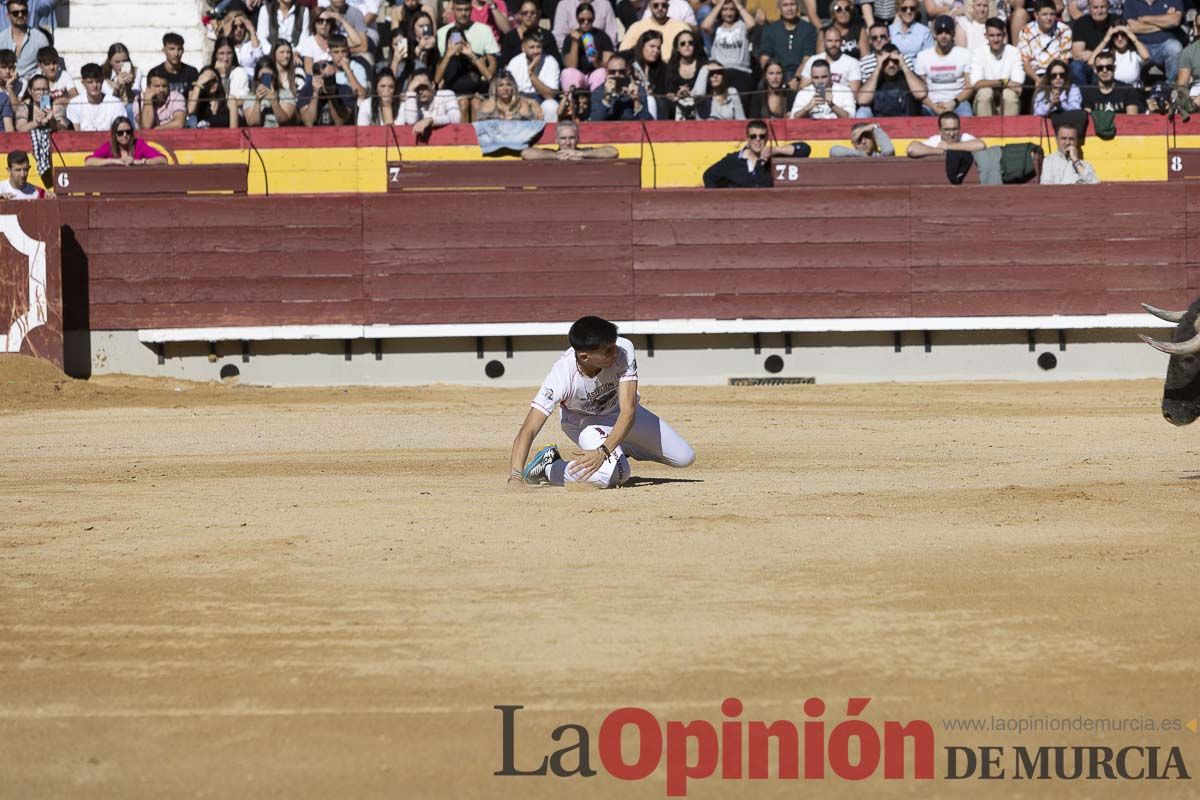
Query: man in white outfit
x,y
594,383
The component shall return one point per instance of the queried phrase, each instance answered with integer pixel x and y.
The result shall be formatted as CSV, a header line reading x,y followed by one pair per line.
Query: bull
x,y
1181,391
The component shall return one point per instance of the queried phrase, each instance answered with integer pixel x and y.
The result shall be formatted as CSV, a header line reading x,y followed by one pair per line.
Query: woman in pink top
x,y
123,149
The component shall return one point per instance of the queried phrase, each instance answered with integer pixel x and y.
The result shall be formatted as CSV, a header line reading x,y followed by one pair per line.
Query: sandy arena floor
x,y
214,591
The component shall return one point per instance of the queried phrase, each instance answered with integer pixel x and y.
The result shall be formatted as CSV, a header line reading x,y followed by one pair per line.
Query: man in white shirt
x,y
94,110
946,70
17,187
997,74
681,10
823,99
950,136
843,69
594,385
1066,165
536,76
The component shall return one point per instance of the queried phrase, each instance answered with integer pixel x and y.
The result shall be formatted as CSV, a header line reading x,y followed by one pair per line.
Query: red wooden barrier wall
x,y
529,256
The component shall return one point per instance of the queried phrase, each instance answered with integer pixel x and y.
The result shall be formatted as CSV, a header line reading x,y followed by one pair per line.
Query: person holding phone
x,y
468,54
120,75
325,102
415,49
823,99
274,101
39,110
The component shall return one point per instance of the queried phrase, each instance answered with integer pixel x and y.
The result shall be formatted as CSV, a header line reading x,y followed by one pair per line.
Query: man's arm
x,y
530,428
587,463
968,147
1156,22
921,150
604,151
538,154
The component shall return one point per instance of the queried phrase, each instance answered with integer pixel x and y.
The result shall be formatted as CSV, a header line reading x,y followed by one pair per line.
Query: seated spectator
x,y
234,80
909,36
970,32
720,100
283,21
62,88
788,41
879,38
347,71
1154,23
41,15
750,166
529,18
566,135
414,52
38,111
1188,77
160,106
492,14
1087,32
1110,94
238,28
1043,40
505,102
854,34
18,187
949,137
323,101
683,70
893,90
24,40
11,83
730,27
274,102
425,110
564,18
208,105
998,74
93,110
823,99
620,98
646,64
843,70
1055,93
1128,51
950,8
659,22
536,75
677,9
179,76
123,149
867,140
314,47
403,15
468,54
1066,165
121,77
349,23
774,99
384,106
586,52
946,70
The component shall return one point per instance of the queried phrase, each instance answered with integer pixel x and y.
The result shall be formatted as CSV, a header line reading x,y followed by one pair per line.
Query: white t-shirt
x,y
29,192
841,72
88,116
944,74
986,67
840,96
1128,67
580,396
548,73
936,139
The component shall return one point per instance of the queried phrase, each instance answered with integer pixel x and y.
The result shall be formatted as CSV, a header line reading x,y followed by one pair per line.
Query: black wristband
x,y
606,452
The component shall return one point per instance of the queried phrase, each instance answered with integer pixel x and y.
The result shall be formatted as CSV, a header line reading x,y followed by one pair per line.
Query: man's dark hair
x,y
172,38
37,76
17,158
820,62
8,58
883,25
91,72
532,35
337,40
948,115
1068,126
996,23
591,333
1043,4
47,55
890,48
756,125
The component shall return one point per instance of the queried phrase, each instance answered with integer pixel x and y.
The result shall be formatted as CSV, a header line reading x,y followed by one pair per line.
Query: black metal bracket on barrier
x,y
508,350
787,343
1032,338
650,345
928,341
897,341
160,349
245,352
757,344
349,348
212,352
479,347
379,349
1062,339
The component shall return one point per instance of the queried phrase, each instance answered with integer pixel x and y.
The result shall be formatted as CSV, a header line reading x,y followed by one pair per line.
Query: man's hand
x,y
610,88
422,125
586,464
569,155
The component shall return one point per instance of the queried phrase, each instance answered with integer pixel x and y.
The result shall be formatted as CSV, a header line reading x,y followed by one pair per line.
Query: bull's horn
x,y
1187,348
1168,316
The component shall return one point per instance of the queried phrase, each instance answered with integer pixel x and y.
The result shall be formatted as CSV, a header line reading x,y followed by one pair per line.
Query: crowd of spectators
x,y
429,63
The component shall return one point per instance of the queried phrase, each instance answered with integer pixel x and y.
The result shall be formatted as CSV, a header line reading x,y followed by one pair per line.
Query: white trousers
x,y
650,439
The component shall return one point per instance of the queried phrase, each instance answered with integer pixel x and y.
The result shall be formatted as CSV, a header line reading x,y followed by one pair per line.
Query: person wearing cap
x,y
998,74
868,140
1043,40
946,70
949,138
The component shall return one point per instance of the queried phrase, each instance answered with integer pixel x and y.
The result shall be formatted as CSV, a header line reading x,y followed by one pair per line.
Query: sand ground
x,y
215,591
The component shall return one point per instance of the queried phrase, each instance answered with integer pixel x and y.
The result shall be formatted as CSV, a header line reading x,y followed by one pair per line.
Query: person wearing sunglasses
x,y
1109,94
879,40
909,36
659,22
1055,93
123,149
847,23
42,14
1129,52
998,73
750,166
22,38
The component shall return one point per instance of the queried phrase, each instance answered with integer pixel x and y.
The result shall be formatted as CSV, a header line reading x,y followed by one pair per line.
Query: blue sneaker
x,y
535,471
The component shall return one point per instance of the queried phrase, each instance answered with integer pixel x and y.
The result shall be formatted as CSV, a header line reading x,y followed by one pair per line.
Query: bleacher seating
x,y
88,27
